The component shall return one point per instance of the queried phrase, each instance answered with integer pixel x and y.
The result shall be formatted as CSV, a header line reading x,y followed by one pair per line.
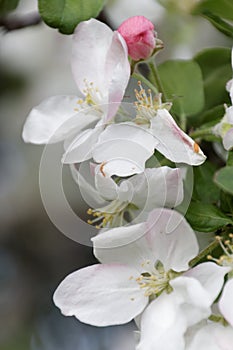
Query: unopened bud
x,y
140,37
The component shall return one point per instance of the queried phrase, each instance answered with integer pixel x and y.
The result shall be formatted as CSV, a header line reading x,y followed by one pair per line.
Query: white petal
x,y
54,119
91,42
225,303
174,144
117,72
157,188
105,184
162,325
194,300
213,336
101,295
211,277
80,149
172,239
91,196
228,140
124,149
125,244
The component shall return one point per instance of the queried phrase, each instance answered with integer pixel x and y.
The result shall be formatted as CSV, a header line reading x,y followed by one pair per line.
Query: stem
x,y
205,252
156,80
230,158
200,133
183,121
145,81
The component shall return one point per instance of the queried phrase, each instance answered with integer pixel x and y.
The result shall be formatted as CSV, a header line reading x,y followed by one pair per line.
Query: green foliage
x,y
206,217
205,189
216,69
217,11
67,14
7,6
182,81
224,179
219,24
221,8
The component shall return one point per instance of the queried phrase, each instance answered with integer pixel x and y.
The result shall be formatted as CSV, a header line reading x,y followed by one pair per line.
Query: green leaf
x,y
205,189
67,14
7,6
207,118
206,217
219,23
216,69
224,179
183,84
221,8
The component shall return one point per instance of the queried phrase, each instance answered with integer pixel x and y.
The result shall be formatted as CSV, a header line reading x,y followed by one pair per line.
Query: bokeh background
x,y
34,255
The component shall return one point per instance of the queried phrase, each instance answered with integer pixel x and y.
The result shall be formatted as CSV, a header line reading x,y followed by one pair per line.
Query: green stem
x,y
144,80
200,133
183,121
230,158
156,80
204,253
218,319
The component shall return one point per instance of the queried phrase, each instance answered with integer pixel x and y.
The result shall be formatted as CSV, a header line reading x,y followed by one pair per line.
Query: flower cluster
x,y
145,246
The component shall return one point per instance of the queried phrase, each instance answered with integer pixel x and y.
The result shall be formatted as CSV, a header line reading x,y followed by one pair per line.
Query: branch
x,y
12,23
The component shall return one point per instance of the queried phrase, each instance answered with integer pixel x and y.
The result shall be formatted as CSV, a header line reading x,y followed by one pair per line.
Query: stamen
x,y
146,105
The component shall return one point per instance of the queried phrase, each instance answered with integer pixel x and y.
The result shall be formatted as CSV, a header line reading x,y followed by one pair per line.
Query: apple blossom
x,y
211,336
136,196
140,263
123,148
139,35
224,129
71,117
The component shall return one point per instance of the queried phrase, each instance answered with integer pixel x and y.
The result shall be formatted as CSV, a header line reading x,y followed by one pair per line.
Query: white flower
x,y
187,305
212,336
101,70
134,142
225,302
224,129
141,262
136,196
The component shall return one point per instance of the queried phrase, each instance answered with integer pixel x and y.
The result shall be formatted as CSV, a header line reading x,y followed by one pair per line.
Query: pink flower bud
x,y
139,35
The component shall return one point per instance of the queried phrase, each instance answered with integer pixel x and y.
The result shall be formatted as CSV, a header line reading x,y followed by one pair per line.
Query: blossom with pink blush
x,y
139,35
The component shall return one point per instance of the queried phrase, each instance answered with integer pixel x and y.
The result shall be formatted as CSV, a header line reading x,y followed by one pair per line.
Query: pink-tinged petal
x,y
211,277
162,325
228,140
195,302
171,238
101,295
229,115
91,42
105,185
117,72
174,144
123,149
54,119
148,195
127,245
80,149
225,303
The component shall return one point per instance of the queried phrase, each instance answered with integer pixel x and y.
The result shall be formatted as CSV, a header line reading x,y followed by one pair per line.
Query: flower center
x,y
227,246
112,215
93,97
147,105
155,282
